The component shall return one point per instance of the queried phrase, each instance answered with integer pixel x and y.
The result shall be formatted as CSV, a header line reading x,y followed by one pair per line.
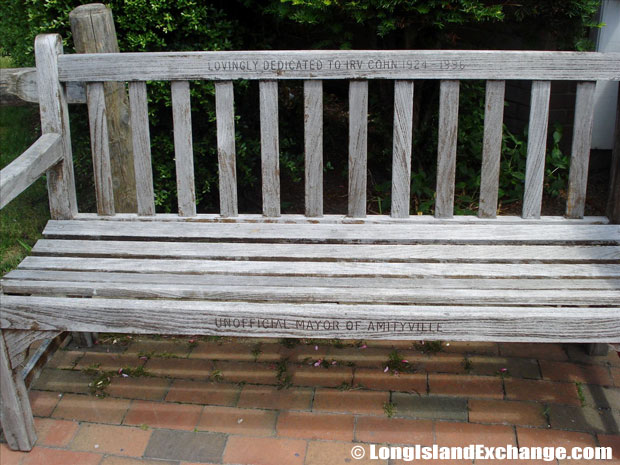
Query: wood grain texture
x,y
313,147
100,148
580,152
401,149
29,166
141,148
15,412
225,115
321,64
18,342
270,147
55,119
491,148
536,149
21,83
613,201
358,147
183,148
532,324
446,148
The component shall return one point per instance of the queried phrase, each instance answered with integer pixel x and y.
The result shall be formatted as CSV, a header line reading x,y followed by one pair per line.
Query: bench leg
x,y
597,349
15,412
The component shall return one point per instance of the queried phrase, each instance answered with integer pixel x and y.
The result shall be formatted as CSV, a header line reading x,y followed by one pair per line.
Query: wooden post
x,y
613,203
93,31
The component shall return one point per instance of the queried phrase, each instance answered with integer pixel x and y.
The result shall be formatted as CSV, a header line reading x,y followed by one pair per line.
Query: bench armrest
x,y
27,168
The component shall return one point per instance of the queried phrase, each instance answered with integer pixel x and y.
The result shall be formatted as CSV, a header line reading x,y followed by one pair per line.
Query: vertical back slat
x,y
55,118
401,148
225,114
536,148
141,148
183,150
100,148
491,148
358,141
270,147
446,147
313,140
580,152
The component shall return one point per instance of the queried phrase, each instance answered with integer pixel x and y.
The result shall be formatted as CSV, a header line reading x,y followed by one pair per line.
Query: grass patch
x,y
389,409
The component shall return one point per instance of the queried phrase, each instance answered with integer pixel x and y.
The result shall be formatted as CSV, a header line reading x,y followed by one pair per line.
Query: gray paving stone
x,y
63,381
517,367
601,396
186,446
429,407
583,419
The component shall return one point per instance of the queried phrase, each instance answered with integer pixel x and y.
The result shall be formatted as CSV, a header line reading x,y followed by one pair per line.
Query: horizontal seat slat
x,y
313,281
329,252
373,233
471,323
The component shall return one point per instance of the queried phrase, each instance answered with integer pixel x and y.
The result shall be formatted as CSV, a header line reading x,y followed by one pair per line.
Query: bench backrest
x,y
313,67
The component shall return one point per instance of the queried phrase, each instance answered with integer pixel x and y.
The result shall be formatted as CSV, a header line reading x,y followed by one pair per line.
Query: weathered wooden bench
x,y
528,278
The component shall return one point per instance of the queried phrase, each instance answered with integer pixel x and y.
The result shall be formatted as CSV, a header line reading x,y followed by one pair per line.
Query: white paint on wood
x,y
580,152
358,142
183,149
401,151
491,148
446,148
100,148
536,149
270,147
313,145
141,148
225,115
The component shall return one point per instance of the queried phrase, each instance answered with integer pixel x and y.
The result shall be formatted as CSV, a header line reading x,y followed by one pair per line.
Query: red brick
x,y
163,415
108,361
394,344
615,373
108,439
250,422
613,441
114,460
465,386
305,352
377,379
237,351
560,371
203,392
529,437
43,403
541,391
45,456
65,359
180,368
315,426
479,348
264,451
539,350
93,409
319,376
293,398
506,412
462,434
56,433
10,457
178,347
440,363
394,430
247,372
352,401
337,453
138,388
369,357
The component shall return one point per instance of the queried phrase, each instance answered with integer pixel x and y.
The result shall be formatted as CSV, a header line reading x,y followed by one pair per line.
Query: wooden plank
x,y
358,141
225,115
401,151
55,119
22,84
15,412
343,219
613,200
531,324
348,295
580,152
491,148
330,252
536,149
141,148
270,148
326,269
497,234
341,64
17,342
183,150
446,148
313,147
100,148
29,166
312,281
